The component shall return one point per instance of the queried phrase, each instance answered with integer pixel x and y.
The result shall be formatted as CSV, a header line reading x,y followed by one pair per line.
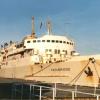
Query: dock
x,y
43,91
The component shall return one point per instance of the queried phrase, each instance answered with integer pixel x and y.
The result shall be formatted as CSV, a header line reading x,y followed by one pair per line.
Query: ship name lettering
x,y
60,69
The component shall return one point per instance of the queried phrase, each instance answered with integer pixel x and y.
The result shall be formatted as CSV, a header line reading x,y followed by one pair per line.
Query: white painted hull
x,y
67,72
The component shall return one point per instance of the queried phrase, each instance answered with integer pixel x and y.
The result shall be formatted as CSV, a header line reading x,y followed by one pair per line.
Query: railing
x,y
52,93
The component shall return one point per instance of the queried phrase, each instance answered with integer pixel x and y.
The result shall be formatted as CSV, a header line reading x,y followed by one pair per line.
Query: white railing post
x,y
22,92
72,95
97,97
15,91
53,94
94,90
40,91
33,90
55,89
75,90
30,93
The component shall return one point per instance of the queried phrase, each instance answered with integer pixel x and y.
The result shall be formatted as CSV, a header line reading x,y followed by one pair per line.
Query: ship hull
x,y
72,71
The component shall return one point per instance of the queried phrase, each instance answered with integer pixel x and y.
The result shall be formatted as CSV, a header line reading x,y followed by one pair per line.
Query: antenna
x,y
33,31
48,24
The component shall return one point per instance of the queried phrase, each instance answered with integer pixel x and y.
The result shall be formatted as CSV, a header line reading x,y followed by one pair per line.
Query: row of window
x,y
56,51
53,41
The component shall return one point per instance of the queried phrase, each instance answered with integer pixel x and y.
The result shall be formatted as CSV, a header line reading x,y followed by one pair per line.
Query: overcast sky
x,y
77,19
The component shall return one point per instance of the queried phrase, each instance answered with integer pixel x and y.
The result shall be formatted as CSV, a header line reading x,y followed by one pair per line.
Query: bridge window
x,y
34,41
56,41
48,40
70,43
43,40
64,41
28,41
60,41
53,41
38,40
67,42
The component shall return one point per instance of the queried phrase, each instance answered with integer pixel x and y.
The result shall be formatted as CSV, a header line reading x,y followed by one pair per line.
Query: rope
x,y
78,76
97,71
40,70
97,63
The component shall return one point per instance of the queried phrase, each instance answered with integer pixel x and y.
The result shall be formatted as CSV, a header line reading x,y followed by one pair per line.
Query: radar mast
x,y
49,29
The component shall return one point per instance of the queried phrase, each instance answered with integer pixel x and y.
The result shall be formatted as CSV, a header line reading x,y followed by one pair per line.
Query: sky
x,y
77,19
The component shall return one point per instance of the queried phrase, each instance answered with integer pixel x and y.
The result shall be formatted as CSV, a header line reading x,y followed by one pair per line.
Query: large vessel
x,y
49,58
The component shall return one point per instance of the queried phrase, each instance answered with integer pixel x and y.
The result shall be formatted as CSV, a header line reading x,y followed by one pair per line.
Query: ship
x,y
49,59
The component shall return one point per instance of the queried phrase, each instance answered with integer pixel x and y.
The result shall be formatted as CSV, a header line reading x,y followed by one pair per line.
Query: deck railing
x,y
52,93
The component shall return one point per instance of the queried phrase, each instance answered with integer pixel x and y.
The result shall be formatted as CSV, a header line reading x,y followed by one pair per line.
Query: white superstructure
x,y
52,46
47,48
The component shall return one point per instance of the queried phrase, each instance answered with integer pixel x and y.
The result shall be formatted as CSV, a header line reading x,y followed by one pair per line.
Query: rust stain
x,y
90,79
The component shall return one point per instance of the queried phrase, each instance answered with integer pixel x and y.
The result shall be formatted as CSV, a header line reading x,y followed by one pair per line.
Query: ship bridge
x,y
51,45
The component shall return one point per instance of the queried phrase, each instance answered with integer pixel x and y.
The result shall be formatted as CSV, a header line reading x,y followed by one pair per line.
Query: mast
x,y
33,29
49,29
